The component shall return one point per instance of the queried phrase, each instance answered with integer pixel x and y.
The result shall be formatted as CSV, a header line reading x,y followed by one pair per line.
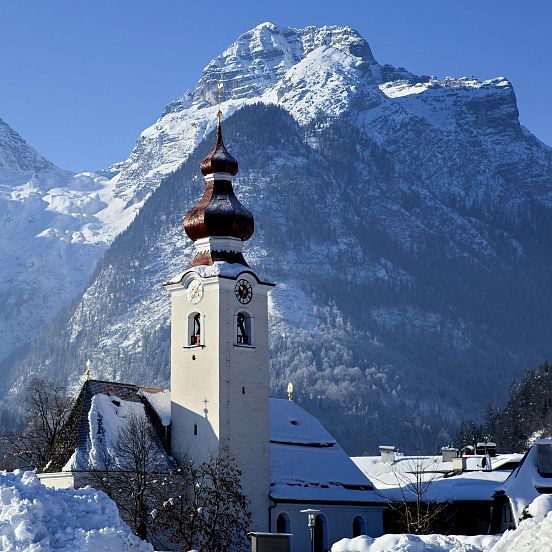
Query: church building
x,y
219,397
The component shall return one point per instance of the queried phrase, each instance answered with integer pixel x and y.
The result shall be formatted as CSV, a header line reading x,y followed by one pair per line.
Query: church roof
x,y
219,159
77,440
219,212
306,462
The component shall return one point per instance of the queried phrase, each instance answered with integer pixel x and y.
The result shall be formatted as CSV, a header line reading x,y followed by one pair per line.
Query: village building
x,y
531,478
458,489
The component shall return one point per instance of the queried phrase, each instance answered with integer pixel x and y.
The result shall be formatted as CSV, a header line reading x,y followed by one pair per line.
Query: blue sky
x,y
80,79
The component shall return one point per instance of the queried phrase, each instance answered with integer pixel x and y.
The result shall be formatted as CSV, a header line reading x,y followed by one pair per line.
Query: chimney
x,y
486,448
448,454
387,453
459,464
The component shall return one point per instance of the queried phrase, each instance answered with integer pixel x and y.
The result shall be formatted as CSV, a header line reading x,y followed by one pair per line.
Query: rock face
x,y
414,269
17,155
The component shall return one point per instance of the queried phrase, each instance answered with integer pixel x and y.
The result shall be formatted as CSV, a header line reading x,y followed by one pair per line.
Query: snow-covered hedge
x,y
37,518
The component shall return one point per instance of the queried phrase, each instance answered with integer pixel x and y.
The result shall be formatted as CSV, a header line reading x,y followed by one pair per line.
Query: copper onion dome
x,y
219,212
219,159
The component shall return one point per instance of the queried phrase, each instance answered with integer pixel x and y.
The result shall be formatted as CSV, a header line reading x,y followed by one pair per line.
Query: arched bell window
x,y
243,329
195,329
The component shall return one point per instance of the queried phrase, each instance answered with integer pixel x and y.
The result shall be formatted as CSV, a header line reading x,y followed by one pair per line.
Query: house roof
x,y
399,480
78,445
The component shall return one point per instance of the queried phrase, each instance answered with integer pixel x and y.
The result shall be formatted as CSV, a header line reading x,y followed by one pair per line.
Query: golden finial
x,y
290,391
87,373
219,100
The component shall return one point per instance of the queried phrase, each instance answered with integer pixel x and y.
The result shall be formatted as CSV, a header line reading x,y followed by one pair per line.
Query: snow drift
x,y
34,517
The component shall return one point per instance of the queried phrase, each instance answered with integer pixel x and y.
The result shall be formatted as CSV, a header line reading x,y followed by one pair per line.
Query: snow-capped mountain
x,y
406,220
55,226
269,64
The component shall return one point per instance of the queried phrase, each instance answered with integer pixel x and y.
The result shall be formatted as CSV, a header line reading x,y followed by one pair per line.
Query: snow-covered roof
x,y
395,480
526,483
107,419
99,414
160,400
289,423
306,461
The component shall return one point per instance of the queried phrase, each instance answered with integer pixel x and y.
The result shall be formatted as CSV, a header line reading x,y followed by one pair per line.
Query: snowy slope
x,y
54,226
309,71
58,224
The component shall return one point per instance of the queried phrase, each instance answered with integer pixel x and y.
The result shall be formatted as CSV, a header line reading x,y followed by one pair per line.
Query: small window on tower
x,y
195,330
243,329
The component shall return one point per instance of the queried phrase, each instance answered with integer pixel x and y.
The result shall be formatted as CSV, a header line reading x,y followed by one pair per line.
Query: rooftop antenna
x,y
87,373
290,391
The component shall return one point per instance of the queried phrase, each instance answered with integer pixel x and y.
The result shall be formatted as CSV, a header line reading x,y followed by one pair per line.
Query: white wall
x,y
233,379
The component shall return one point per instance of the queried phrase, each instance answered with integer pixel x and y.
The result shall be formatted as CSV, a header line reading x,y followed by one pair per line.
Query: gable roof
x,y
76,441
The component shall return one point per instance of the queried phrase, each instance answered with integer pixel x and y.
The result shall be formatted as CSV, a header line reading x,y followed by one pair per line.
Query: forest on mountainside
x,y
526,416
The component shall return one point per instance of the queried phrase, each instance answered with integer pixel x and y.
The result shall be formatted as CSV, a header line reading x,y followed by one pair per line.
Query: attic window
x,y
294,422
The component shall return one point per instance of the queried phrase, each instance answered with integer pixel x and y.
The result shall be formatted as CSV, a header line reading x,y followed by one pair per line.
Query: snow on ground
x,y
413,543
40,519
532,535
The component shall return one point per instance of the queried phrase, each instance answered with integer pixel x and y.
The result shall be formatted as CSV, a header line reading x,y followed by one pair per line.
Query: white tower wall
x,y
232,378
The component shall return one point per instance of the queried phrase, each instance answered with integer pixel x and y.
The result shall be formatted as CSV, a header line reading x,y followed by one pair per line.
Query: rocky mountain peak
x,y
17,155
261,56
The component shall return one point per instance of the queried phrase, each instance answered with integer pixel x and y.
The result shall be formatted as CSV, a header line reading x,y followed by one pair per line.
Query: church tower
x,y
219,339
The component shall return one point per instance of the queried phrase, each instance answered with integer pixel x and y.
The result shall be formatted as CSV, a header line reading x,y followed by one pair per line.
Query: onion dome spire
x,y
219,223
219,159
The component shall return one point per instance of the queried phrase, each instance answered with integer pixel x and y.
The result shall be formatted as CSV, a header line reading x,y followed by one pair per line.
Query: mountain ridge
x,y
431,206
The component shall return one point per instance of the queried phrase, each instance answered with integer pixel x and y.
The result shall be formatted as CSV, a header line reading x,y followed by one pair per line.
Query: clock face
x,y
244,291
194,292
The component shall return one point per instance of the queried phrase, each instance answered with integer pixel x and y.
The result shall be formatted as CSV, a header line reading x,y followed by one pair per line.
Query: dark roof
x,y
75,433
